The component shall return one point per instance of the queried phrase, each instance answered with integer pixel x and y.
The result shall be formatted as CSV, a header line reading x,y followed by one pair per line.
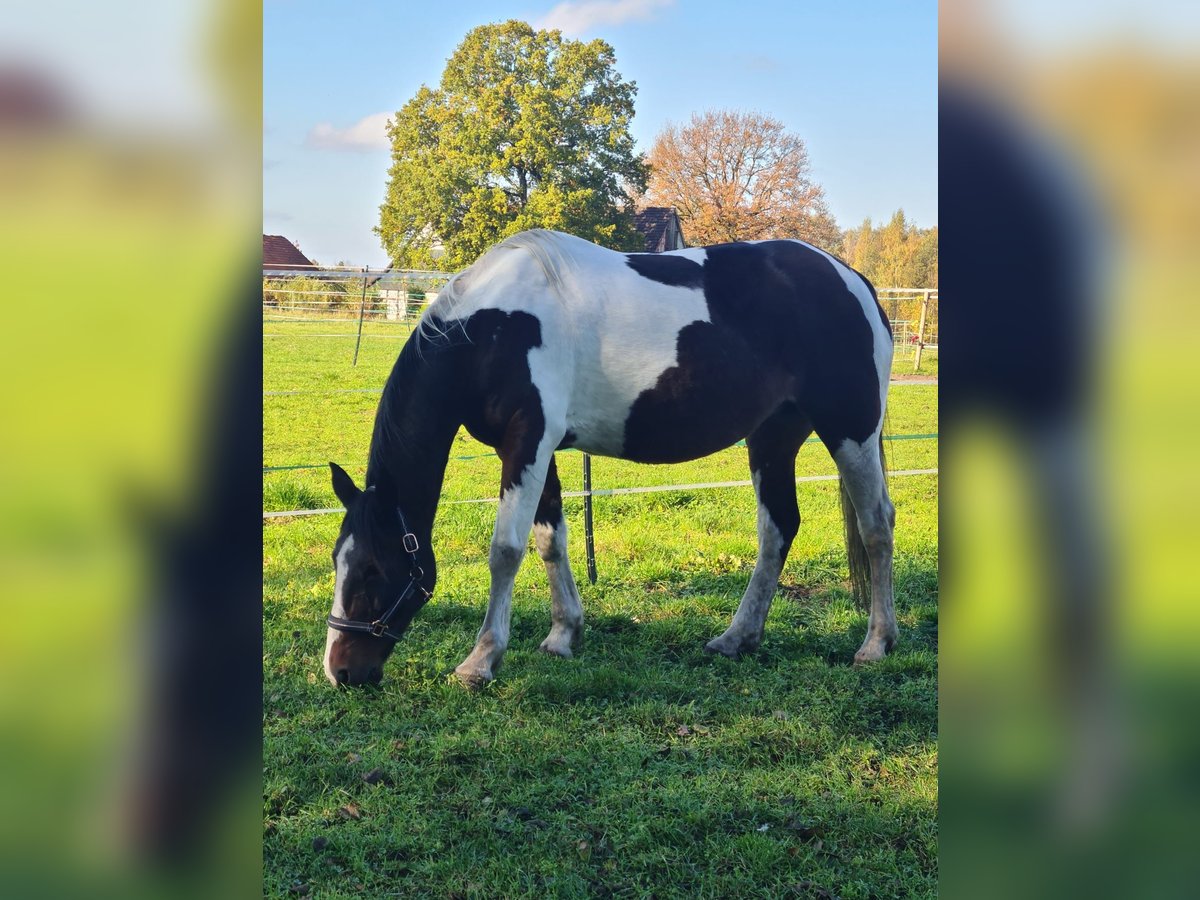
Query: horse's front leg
x,y
525,458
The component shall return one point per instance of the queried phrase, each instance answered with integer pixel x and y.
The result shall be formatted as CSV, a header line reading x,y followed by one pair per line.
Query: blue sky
x,y
856,80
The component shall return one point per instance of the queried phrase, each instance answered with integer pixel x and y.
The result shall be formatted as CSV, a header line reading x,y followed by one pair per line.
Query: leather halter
x,y
379,627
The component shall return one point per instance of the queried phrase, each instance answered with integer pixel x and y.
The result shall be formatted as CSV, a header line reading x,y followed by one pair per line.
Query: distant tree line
x,y
897,254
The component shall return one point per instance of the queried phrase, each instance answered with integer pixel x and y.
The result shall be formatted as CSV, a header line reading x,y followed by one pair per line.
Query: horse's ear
x,y
343,485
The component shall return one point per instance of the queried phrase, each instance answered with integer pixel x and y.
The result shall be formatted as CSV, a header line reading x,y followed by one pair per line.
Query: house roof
x,y
654,223
280,253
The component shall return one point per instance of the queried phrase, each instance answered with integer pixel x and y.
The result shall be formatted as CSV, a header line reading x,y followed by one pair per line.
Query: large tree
x,y
525,130
738,176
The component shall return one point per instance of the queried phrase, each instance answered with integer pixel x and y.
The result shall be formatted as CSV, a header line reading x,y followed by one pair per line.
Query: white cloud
x,y
574,17
368,133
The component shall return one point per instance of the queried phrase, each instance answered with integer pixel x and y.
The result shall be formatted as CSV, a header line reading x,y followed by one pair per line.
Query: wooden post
x,y
921,330
589,536
362,309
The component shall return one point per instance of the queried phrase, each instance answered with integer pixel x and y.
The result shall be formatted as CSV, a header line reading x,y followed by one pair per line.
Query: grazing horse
x,y
549,342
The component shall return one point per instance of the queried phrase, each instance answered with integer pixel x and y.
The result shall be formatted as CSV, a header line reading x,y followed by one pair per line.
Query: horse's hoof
x,y
872,651
723,646
473,679
556,648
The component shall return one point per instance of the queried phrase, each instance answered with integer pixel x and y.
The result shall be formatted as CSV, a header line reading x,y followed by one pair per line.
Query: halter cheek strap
x,y
381,627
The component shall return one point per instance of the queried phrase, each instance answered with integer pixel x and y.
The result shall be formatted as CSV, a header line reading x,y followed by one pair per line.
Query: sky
x,y
857,81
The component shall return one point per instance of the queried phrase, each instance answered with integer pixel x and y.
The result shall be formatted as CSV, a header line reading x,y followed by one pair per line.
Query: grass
x,y
643,767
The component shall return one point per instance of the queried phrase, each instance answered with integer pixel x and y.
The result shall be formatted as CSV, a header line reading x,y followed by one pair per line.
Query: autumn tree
x,y
897,254
738,176
524,130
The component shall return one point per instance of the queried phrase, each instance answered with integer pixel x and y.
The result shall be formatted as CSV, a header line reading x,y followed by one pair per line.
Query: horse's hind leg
x,y
773,447
862,471
550,535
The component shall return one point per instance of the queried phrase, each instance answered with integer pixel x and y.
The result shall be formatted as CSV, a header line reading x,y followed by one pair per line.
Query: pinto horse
x,y
549,342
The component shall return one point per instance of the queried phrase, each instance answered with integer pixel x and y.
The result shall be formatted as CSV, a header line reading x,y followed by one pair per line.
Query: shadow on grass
x,y
658,655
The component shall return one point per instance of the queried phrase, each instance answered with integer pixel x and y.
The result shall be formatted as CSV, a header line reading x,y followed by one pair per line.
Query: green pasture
x,y
642,767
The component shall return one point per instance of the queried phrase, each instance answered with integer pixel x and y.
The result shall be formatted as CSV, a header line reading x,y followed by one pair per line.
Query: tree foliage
x,y
897,254
525,130
739,176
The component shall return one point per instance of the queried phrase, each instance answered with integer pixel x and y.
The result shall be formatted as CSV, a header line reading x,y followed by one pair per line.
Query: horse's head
x,y
379,583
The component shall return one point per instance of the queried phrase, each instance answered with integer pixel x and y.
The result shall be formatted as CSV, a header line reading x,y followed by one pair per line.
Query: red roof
x,y
280,253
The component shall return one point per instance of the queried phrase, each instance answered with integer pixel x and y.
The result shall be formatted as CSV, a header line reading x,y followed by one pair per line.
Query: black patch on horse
x,y
675,271
503,407
783,327
549,509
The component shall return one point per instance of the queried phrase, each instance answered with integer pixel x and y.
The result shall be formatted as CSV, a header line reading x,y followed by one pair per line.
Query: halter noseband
x,y
379,627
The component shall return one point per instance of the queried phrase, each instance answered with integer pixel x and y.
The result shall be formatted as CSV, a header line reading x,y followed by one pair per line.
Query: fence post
x,y
589,536
362,309
921,330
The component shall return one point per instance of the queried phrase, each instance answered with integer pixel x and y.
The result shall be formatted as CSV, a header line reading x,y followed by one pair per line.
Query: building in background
x,y
660,227
280,253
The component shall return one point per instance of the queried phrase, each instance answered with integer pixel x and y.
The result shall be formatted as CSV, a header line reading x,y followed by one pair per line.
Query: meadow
x,y
643,767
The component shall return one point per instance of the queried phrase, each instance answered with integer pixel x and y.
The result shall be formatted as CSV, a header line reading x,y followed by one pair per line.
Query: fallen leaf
x,y
375,776
585,851
353,758
350,811
700,729
683,731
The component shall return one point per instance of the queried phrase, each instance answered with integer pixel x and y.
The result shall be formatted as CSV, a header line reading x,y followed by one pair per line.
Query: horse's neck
x,y
414,430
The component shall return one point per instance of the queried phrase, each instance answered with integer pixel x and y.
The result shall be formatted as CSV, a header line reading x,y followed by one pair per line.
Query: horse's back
x,y
671,356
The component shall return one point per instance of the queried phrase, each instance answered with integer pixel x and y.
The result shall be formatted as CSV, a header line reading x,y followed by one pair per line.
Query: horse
x,y
550,342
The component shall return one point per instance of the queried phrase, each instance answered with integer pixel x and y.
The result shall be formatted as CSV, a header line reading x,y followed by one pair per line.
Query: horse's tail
x,y
856,550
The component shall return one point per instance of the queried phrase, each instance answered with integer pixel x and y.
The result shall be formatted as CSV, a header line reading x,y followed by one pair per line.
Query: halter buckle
x,y
378,628
410,543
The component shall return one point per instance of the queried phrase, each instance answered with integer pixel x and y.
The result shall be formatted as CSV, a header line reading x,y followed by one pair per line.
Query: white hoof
x,y
874,648
472,676
556,646
560,640
732,646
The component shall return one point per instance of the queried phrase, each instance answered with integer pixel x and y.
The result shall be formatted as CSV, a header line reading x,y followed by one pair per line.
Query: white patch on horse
x,y
862,474
597,354
566,608
745,632
341,566
504,559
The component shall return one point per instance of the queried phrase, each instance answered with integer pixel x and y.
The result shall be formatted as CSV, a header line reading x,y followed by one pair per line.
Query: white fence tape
x,y
610,492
